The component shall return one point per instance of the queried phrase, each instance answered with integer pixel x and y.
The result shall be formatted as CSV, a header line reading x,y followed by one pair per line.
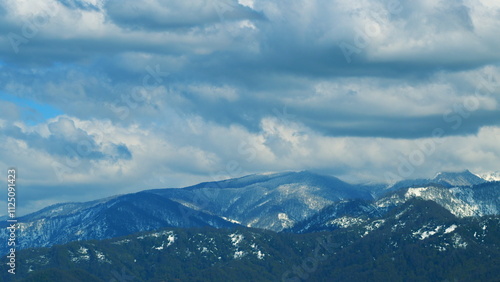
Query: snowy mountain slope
x,y
417,241
448,179
464,178
478,200
462,201
273,202
107,218
174,255
339,215
491,176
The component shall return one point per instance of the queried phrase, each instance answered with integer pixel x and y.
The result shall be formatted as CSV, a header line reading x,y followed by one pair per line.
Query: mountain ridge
x,y
417,241
276,202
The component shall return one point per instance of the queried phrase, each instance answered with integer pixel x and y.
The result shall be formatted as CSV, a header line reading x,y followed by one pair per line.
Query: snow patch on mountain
x,y
490,176
121,242
285,221
83,250
239,254
450,229
458,242
156,234
160,247
101,257
415,192
231,220
425,233
236,239
345,221
260,255
376,224
170,238
81,255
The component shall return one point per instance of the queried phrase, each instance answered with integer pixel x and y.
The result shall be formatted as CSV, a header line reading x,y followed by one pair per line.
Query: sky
x,y
105,97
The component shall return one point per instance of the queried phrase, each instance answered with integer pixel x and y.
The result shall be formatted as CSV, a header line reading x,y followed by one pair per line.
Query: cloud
x,y
402,81
160,15
9,111
101,93
81,4
61,138
193,150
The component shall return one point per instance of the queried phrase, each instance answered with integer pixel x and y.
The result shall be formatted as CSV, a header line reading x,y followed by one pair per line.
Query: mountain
x,y
464,178
410,183
448,179
300,202
343,214
416,241
106,218
271,201
464,201
491,176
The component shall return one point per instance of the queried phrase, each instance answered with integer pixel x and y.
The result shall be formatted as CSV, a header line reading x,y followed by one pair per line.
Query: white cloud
x,y
159,159
214,110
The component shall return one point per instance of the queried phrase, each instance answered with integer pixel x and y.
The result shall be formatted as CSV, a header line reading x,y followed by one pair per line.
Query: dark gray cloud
x,y
77,4
161,15
67,141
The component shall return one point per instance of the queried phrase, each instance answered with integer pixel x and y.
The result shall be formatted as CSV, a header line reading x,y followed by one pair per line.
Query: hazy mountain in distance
x,y
448,179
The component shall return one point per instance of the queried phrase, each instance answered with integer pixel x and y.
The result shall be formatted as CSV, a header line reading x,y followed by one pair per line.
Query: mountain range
x,y
273,206
417,241
268,201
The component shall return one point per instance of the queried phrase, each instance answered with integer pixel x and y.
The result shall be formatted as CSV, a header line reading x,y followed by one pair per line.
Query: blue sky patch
x,y
32,112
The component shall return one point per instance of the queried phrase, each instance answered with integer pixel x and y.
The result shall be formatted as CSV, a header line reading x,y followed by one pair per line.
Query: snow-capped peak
x,y
491,176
